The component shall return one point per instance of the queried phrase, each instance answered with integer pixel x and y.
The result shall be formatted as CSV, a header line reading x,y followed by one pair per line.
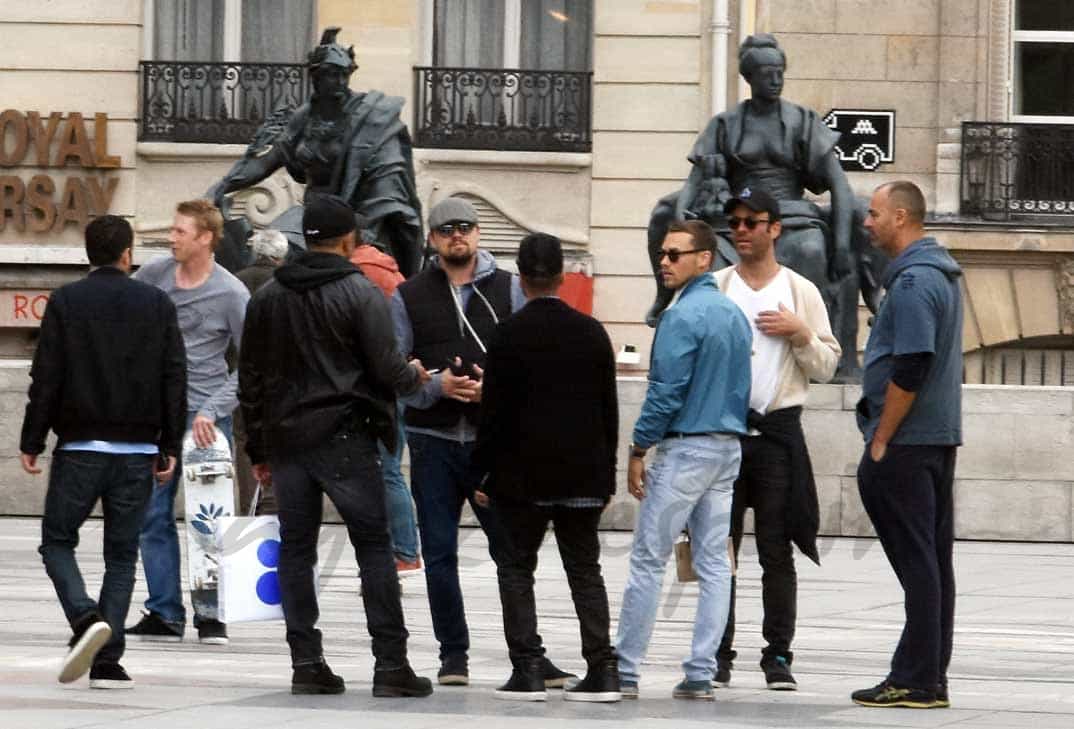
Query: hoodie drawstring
x,y
463,321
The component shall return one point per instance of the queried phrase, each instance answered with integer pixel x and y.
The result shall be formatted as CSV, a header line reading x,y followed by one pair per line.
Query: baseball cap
x,y
540,255
452,210
326,217
756,200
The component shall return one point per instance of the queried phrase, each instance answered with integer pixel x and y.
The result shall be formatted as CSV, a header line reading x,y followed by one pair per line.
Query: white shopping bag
x,y
249,555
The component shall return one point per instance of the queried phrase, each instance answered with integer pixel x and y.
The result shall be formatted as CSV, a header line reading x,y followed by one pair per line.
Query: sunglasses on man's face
x,y
674,254
734,221
448,229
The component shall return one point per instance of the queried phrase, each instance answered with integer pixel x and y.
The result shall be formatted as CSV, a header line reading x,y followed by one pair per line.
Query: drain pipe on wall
x,y
720,30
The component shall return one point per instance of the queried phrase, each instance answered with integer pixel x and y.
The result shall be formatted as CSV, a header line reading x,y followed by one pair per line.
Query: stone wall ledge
x,y
1014,481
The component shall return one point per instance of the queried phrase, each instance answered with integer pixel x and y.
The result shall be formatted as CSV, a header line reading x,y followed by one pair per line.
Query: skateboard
x,y
208,483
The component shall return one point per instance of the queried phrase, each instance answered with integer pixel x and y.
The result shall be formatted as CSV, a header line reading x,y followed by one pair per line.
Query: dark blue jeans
x,y
159,543
442,478
347,470
77,479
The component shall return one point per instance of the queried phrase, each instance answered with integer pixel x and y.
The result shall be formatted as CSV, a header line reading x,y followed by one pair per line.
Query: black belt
x,y
677,434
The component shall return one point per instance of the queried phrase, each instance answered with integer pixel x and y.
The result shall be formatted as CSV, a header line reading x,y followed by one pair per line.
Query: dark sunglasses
x,y
449,228
734,221
675,254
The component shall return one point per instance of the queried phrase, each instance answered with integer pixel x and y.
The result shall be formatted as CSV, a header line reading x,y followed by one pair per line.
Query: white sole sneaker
x,y
216,640
594,697
80,657
107,683
522,695
155,638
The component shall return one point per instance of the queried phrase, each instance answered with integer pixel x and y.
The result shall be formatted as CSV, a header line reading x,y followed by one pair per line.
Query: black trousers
x,y
764,484
909,498
579,548
347,469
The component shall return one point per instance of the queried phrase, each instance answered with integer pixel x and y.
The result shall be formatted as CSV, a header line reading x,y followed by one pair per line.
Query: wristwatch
x,y
636,451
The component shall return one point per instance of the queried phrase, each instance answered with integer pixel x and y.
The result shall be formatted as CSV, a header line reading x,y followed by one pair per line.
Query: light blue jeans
x,y
689,484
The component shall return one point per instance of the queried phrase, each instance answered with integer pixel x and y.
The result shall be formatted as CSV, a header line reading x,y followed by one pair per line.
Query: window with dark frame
x,y
1043,51
507,74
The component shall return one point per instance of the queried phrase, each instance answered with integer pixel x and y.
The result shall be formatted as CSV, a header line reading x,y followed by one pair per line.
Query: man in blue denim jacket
x,y
694,413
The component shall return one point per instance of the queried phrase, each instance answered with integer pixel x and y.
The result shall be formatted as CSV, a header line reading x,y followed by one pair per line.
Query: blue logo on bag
x,y
268,584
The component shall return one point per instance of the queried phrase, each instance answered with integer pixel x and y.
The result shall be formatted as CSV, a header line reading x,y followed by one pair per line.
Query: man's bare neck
x,y
194,272
758,274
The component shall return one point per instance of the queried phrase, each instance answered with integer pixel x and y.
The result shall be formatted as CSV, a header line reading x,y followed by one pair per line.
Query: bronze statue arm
x,y
247,172
842,217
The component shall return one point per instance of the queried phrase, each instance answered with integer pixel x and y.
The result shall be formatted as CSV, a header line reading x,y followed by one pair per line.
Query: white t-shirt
x,y
768,351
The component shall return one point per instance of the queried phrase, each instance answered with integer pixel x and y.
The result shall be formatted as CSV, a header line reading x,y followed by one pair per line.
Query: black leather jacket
x,y
318,357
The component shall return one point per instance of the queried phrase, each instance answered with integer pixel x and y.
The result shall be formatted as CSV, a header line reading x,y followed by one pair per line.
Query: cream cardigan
x,y
815,360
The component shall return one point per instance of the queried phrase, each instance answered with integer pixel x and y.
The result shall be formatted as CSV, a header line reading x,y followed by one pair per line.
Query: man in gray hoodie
x,y
910,416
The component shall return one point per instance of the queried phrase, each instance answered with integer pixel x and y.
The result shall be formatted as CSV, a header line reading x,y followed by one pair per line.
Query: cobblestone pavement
x,y
1013,664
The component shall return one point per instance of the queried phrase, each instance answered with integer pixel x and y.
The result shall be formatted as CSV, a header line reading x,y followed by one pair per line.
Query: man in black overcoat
x,y
547,440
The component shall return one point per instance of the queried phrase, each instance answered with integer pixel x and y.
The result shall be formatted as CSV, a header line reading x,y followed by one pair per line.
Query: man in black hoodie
x,y
314,409
910,414
109,377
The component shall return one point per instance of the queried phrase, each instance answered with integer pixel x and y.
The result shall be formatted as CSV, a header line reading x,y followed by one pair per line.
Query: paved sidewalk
x,y
1013,664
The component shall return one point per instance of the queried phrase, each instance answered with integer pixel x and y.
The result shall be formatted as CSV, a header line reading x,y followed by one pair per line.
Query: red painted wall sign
x,y
22,308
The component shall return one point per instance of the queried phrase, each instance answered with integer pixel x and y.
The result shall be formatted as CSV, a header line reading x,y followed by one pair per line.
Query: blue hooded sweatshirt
x,y
921,312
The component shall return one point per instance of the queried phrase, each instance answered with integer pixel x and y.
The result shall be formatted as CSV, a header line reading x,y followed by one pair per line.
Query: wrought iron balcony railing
x,y
220,103
1013,170
503,109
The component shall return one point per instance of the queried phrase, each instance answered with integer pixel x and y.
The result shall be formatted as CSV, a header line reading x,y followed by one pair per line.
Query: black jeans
x,y
579,548
764,484
909,498
77,479
347,470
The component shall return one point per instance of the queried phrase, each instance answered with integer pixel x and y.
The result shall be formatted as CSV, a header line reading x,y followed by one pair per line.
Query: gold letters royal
x,y
29,140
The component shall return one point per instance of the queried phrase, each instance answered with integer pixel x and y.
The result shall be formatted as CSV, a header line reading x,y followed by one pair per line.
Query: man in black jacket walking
x,y
547,438
109,377
314,409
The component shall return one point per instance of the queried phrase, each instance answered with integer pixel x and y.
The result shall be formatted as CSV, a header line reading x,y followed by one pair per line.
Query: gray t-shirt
x,y
210,318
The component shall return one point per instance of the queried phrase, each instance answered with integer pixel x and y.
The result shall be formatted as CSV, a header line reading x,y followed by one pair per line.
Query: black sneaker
x,y
942,699
600,685
109,676
777,674
525,684
400,682
212,632
886,694
154,628
722,677
90,635
454,671
554,677
316,678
